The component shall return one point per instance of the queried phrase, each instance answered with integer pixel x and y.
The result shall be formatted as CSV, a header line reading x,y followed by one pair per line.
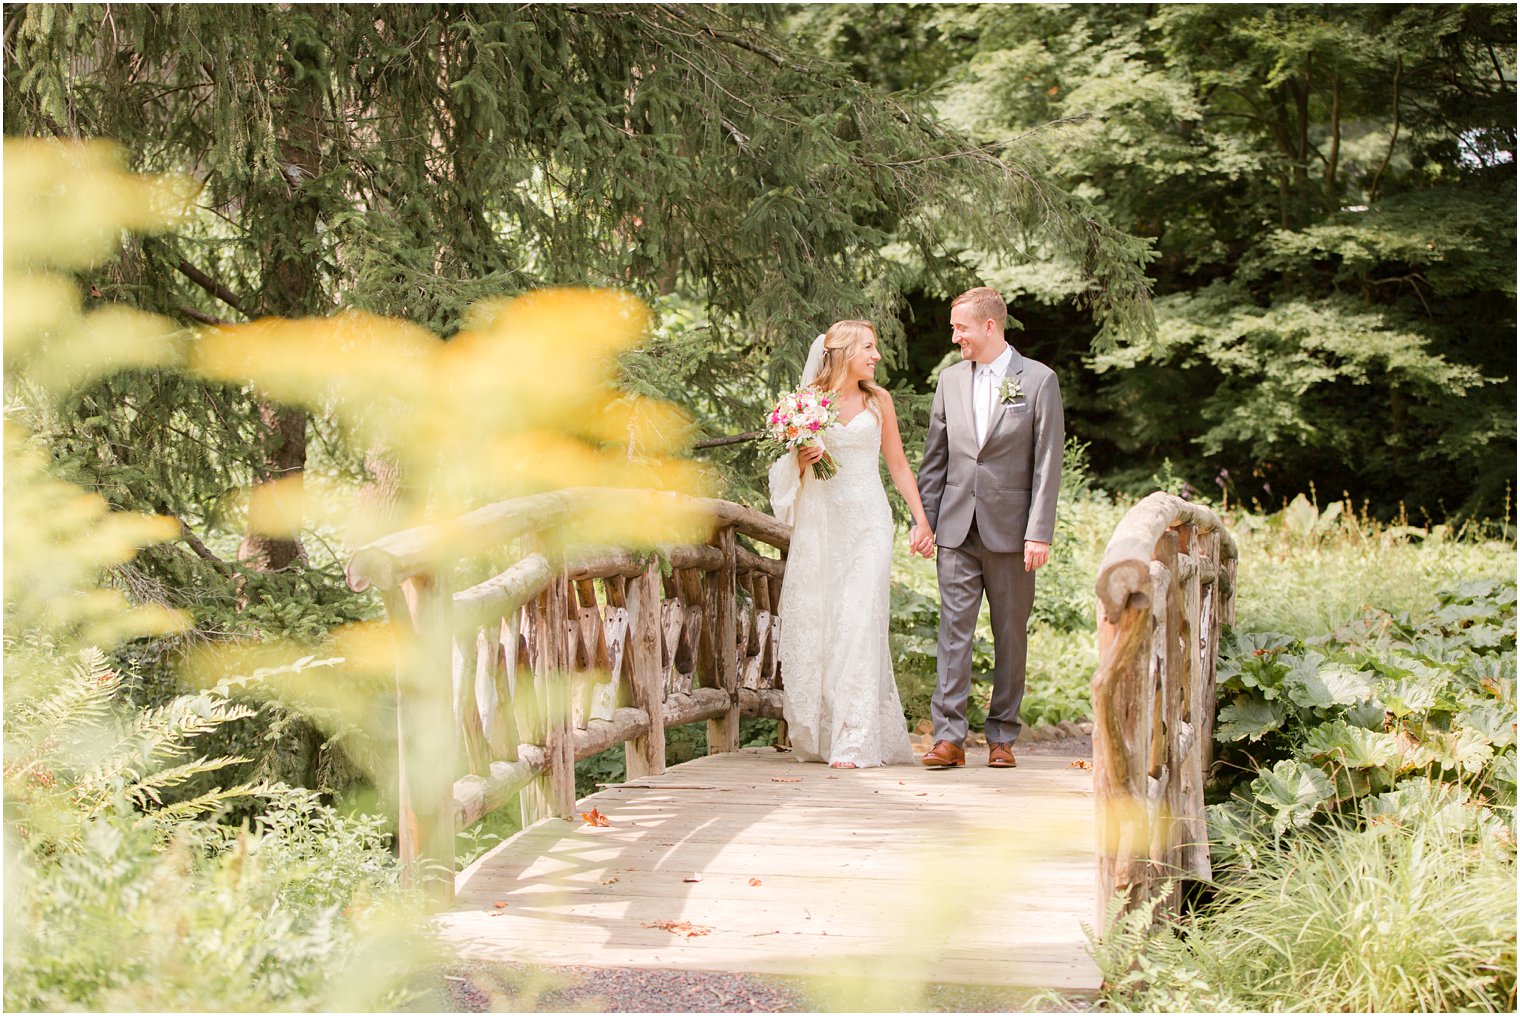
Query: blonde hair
x,y
986,303
840,343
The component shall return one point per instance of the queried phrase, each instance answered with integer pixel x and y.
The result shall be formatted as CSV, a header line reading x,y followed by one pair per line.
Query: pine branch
x,y
732,439
201,550
201,316
211,286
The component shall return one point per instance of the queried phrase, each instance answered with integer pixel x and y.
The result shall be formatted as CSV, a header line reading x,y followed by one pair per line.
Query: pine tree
x,y
411,160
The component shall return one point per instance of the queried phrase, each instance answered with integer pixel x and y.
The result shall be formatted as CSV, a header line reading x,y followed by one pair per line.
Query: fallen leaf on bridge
x,y
786,779
754,881
499,904
595,818
684,929
695,876
1080,763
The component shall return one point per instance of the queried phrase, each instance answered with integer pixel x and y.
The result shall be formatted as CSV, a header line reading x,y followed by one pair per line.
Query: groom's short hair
x,y
986,303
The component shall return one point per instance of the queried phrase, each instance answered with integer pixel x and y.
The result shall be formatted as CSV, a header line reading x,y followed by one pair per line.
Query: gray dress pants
x,y
965,573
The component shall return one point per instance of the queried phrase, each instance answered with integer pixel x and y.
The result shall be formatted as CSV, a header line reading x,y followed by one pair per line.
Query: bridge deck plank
x,y
974,876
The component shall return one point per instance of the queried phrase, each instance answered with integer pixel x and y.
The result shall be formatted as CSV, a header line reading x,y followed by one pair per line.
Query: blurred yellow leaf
x,y
66,203
278,507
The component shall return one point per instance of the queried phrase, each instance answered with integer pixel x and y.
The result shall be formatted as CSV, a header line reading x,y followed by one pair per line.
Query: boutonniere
x,y
1010,391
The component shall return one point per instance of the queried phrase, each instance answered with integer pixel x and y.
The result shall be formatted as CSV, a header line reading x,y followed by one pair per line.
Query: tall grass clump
x,y
1381,918
1305,570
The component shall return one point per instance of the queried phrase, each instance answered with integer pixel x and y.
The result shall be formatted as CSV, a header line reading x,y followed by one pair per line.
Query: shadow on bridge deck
x,y
751,862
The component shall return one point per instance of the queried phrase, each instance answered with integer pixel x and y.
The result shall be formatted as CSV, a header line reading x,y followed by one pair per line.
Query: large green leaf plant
x,y
1391,719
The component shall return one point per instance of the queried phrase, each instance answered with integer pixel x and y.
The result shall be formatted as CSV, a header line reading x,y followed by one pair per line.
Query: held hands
x,y
1035,555
921,540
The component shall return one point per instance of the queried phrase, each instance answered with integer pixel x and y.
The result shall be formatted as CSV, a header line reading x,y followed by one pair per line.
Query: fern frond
x,y
146,789
83,696
204,804
159,736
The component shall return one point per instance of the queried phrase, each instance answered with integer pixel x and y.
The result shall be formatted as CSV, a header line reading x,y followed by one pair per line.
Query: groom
x,y
991,469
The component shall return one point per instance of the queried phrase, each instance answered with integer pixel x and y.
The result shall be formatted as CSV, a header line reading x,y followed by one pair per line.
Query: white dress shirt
x,y
984,391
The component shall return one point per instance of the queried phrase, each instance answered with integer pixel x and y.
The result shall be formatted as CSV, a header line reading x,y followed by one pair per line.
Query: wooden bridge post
x,y
556,690
723,732
645,754
425,763
1165,587
551,792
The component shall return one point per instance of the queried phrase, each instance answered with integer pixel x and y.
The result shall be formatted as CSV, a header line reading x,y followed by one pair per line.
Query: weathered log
x,y
748,560
1124,568
471,654
478,796
385,563
425,764
644,754
764,702
723,733
626,724
1165,586
695,705
749,522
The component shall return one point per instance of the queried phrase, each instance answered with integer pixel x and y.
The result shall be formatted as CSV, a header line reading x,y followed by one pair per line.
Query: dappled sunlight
x,y
872,885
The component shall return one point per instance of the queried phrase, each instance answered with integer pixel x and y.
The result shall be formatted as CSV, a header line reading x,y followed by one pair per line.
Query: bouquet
x,y
799,420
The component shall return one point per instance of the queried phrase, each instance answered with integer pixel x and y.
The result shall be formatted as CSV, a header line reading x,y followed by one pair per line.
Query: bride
x,y
841,701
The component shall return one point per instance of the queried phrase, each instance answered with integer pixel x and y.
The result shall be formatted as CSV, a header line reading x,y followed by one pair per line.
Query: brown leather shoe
x,y
1000,755
944,755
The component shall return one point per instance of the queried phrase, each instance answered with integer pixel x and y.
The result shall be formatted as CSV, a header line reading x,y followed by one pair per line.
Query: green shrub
x,y
119,897
1304,571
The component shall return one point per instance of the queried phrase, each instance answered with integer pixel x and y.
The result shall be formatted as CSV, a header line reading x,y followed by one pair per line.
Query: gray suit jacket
x,y
1009,484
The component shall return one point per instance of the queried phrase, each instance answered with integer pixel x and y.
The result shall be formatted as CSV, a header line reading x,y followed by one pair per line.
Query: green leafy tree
x,y
1330,190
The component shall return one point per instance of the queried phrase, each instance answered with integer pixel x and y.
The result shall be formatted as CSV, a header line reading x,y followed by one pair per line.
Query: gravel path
x,y
514,988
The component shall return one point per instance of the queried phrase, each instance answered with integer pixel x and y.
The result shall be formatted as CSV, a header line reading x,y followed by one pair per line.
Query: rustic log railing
x,y
1165,587
554,660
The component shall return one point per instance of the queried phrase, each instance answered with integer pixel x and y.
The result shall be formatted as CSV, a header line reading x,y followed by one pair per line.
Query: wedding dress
x,y
836,666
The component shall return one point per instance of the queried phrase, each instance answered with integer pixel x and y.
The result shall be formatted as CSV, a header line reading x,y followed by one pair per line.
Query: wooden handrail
x,y
387,562
1165,588
554,660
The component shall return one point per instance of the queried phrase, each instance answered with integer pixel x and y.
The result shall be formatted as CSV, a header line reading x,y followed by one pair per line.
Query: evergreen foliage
x,y
410,161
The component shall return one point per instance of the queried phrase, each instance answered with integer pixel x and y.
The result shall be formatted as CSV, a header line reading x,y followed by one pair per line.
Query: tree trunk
x,y
1332,165
292,288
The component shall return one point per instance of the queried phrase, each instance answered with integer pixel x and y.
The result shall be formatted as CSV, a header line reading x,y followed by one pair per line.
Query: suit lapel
x,y
999,407
968,400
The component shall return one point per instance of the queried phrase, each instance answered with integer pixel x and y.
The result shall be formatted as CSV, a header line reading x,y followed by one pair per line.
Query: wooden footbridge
x,y
747,860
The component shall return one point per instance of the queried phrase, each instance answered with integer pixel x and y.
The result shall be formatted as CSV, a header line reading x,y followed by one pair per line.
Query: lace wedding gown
x,y
836,667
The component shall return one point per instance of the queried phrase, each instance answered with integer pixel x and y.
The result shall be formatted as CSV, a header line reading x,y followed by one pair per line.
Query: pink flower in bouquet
x,y
798,421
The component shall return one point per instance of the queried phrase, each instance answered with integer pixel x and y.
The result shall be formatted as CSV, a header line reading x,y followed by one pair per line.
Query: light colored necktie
x,y
983,402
